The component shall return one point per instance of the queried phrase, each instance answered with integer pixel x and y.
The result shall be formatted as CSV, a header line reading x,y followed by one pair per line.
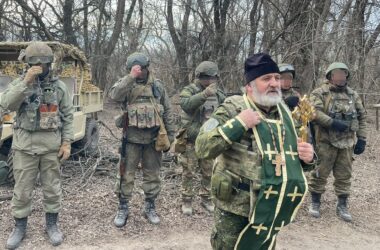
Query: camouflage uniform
x,y
289,92
142,131
240,161
336,105
196,108
37,138
290,96
334,148
35,148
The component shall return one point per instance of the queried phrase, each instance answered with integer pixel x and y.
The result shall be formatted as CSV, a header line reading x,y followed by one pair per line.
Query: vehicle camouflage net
x,y
62,67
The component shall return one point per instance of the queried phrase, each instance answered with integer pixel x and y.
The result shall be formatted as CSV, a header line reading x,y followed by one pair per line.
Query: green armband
x,y
233,130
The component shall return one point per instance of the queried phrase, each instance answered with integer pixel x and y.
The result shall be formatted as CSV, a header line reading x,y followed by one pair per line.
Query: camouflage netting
x,y
70,70
13,69
64,56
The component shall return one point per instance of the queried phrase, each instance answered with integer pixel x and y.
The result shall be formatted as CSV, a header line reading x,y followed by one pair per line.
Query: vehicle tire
x,y
88,146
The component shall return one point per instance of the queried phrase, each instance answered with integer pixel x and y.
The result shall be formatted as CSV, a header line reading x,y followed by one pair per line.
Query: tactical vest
x,y
40,110
341,106
141,109
242,158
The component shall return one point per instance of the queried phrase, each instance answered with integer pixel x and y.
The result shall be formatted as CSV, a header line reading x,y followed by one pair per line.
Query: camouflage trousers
x,y
26,168
151,164
339,161
226,230
190,166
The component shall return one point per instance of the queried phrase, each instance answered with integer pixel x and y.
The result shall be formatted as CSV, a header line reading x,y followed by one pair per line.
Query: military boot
x,y
52,229
17,234
207,204
315,205
150,212
342,209
122,213
186,207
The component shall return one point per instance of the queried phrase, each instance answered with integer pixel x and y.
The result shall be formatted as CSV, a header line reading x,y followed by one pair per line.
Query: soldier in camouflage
x,y
340,130
43,132
141,94
257,183
198,100
291,97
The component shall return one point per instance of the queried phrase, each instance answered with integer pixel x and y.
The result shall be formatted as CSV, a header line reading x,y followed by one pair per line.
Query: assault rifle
x,y
123,153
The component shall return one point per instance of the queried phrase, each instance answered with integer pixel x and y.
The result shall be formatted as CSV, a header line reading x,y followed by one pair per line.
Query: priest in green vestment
x,y
257,183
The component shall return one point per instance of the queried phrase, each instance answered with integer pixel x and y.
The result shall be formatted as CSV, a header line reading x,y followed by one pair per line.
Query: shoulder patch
x,y
210,124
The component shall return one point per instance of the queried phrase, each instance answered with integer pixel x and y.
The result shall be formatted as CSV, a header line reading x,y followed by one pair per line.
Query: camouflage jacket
x,y
342,104
39,142
122,92
244,154
193,103
289,92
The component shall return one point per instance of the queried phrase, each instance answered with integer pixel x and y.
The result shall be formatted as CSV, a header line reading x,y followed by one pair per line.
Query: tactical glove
x,y
64,151
359,147
210,90
339,126
292,101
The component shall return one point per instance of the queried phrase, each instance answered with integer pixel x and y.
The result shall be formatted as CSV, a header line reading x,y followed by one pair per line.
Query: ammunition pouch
x,y
142,115
349,118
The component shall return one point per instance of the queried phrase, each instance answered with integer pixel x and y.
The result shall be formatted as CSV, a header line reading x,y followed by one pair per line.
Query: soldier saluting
x,y
146,101
43,132
257,183
340,128
198,100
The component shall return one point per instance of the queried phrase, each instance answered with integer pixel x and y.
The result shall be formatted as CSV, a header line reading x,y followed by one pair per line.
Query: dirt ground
x,y
89,206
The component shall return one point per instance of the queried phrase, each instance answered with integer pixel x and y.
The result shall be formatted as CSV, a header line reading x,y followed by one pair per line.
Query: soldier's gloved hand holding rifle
x,y
31,74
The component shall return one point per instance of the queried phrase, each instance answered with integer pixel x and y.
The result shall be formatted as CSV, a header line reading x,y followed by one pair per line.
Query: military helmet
x,y
336,65
206,68
137,58
285,67
38,52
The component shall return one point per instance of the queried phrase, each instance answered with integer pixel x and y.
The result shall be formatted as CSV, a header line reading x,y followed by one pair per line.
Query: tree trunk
x,y
68,31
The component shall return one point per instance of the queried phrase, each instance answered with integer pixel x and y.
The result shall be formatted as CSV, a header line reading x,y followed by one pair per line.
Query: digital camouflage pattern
x,y
194,104
190,166
196,109
334,148
244,160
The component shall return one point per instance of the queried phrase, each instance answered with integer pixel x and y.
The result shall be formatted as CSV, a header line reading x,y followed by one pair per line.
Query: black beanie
x,y
257,65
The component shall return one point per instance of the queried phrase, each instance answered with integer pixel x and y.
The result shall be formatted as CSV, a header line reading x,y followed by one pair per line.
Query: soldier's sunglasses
x,y
39,59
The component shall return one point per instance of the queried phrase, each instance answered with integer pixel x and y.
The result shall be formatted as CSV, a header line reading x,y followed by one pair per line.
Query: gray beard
x,y
266,100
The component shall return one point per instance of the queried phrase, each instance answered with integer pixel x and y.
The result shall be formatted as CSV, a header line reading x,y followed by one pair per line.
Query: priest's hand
x,y
305,151
249,117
